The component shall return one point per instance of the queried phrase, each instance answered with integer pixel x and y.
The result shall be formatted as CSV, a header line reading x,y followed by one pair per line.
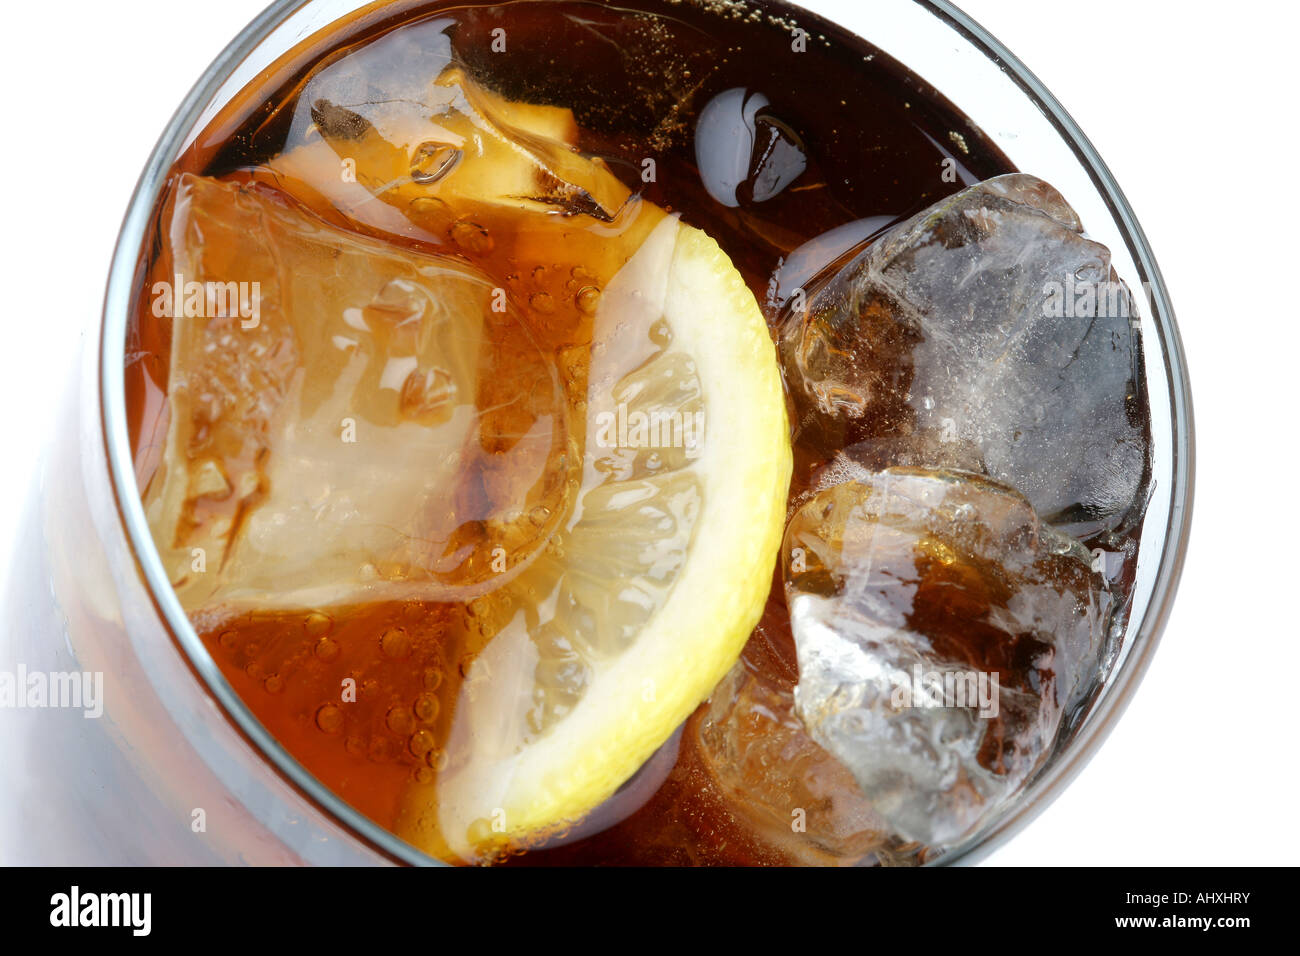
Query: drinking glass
x,y
177,770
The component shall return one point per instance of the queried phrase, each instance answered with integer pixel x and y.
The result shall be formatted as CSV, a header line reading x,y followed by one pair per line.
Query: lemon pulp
x,y
645,598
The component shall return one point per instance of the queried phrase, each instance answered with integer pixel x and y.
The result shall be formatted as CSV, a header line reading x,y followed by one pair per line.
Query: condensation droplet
x,y
327,649
432,678
273,684
318,624
229,640
542,302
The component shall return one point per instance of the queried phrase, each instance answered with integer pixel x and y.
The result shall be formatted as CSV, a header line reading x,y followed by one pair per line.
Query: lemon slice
x,y
640,604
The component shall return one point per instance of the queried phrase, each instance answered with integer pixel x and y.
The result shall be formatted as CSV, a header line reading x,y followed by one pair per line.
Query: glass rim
x,y
1043,788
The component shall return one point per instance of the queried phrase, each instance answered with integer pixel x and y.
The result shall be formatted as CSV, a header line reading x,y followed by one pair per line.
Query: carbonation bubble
x,y
661,334
432,161
400,721
395,643
437,759
588,299
471,237
317,624
329,719
429,206
426,707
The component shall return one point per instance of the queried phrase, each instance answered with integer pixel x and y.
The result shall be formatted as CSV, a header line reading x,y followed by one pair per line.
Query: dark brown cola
x,y
800,149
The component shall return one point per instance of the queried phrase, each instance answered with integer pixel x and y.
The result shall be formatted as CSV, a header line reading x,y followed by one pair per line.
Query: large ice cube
x,y
941,632
988,322
329,441
777,778
398,138
783,788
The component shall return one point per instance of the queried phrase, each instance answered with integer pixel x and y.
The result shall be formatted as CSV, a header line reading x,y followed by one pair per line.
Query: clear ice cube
x,y
745,154
331,443
992,324
401,121
942,632
787,790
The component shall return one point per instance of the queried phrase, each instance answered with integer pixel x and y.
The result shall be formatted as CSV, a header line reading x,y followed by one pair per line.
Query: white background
x,y
1192,104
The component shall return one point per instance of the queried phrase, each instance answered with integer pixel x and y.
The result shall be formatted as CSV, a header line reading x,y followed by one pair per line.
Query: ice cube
x,y
991,322
779,785
745,154
400,120
326,444
452,167
942,631
784,794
